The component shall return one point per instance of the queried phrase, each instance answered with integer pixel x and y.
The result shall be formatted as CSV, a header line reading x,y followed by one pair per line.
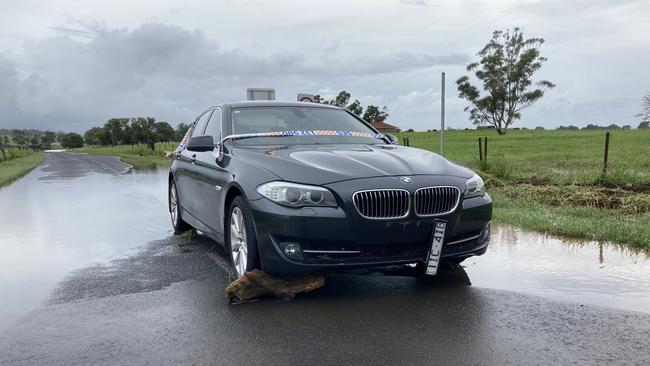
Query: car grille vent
x,y
432,201
382,203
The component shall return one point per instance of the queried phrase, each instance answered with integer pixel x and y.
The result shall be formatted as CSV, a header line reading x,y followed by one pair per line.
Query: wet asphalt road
x,y
165,304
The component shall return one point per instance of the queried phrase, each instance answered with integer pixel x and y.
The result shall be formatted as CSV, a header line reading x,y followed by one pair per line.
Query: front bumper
x,y
339,238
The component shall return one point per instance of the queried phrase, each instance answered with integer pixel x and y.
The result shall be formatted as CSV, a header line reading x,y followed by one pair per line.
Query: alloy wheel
x,y
238,242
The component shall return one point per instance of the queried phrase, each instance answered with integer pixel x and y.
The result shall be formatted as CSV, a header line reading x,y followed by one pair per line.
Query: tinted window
x,y
200,125
214,126
273,119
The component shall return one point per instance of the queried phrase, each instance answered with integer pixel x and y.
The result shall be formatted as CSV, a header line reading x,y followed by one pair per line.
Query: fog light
x,y
293,251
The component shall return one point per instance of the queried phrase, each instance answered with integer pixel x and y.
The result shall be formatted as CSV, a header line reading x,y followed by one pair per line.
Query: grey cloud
x,y
169,72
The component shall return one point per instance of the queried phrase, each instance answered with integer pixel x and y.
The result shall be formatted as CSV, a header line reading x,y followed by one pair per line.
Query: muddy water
x,y
584,272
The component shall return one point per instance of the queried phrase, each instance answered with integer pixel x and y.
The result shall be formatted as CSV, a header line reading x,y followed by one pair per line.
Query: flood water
x,y
584,272
52,224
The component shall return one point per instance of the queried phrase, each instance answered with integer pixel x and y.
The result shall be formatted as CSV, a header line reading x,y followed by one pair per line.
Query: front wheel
x,y
179,225
240,238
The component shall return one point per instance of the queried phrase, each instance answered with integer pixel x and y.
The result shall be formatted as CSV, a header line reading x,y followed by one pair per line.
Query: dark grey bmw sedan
x,y
302,187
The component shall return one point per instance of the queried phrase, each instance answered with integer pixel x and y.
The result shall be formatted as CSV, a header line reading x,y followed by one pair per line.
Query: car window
x,y
200,125
274,119
214,126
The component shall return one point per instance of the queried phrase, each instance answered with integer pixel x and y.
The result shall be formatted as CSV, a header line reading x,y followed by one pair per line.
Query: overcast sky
x,y
70,64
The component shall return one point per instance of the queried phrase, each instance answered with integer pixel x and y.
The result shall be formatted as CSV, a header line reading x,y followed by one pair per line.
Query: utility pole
x,y
442,117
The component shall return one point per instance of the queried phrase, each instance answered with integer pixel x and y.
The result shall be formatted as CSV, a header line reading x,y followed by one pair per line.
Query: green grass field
x,y
11,170
137,155
553,181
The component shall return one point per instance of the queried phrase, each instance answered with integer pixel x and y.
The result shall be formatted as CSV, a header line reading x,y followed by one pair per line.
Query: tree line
x,y
371,114
130,131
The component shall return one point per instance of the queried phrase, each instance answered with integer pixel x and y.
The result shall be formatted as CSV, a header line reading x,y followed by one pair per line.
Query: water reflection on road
x,y
53,222
580,271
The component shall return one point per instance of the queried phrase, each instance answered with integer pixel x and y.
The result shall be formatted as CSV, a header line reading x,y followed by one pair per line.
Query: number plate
x,y
437,240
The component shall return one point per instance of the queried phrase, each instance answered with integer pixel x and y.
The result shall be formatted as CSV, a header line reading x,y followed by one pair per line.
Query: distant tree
x,y
645,109
181,129
144,131
165,132
507,64
374,114
116,128
355,107
72,140
410,130
643,125
97,136
48,139
539,128
569,127
627,127
613,126
19,138
35,141
2,148
591,127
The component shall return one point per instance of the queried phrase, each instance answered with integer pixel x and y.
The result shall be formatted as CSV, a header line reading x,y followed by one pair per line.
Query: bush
x,y
72,140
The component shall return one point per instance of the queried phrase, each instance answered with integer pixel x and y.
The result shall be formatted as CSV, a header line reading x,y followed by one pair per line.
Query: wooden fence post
x,y
485,149
606,152
480,149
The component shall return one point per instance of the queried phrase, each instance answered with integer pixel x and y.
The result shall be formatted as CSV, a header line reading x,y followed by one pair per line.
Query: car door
x,y
185,182
211,179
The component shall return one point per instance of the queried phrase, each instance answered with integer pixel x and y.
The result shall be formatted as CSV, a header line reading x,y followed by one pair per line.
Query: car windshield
x,y
276,119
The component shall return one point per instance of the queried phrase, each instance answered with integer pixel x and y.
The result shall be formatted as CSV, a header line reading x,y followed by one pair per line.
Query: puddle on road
x,y
584,272
52,227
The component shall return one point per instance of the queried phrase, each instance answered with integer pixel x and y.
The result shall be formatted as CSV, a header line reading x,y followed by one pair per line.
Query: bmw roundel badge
x,y
406,179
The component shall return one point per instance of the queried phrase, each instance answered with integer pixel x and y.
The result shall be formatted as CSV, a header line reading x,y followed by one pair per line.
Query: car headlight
x,y
474,187
297,195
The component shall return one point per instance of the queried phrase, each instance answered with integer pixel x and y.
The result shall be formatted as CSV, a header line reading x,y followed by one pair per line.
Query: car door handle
x,y
193,158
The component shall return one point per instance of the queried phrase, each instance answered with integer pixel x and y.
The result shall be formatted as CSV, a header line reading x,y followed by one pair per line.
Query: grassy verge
x,y
139,156
588,222
553,181
14,169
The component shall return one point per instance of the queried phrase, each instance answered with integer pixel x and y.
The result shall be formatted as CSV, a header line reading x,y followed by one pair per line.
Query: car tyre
x,y
241,241
180,226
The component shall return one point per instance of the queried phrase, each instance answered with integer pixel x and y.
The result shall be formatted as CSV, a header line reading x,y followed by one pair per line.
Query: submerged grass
x,y
11,170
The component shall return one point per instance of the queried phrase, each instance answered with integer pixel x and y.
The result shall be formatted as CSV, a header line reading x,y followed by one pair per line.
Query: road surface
x,y
164,303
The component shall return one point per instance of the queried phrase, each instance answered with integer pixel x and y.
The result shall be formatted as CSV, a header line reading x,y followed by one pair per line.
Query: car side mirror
x,y
200,143
392,138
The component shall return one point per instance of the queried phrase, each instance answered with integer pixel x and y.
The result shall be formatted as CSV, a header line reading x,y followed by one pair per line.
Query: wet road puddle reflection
x,y
584,272
52,224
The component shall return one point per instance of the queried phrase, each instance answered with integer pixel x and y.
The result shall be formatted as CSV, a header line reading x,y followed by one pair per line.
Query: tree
x,y
71,140
645,124
645,113
144,131
181,129
48,139
97,136
116,128
355,107
507,64
35,142
164,131
19,137
374,114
